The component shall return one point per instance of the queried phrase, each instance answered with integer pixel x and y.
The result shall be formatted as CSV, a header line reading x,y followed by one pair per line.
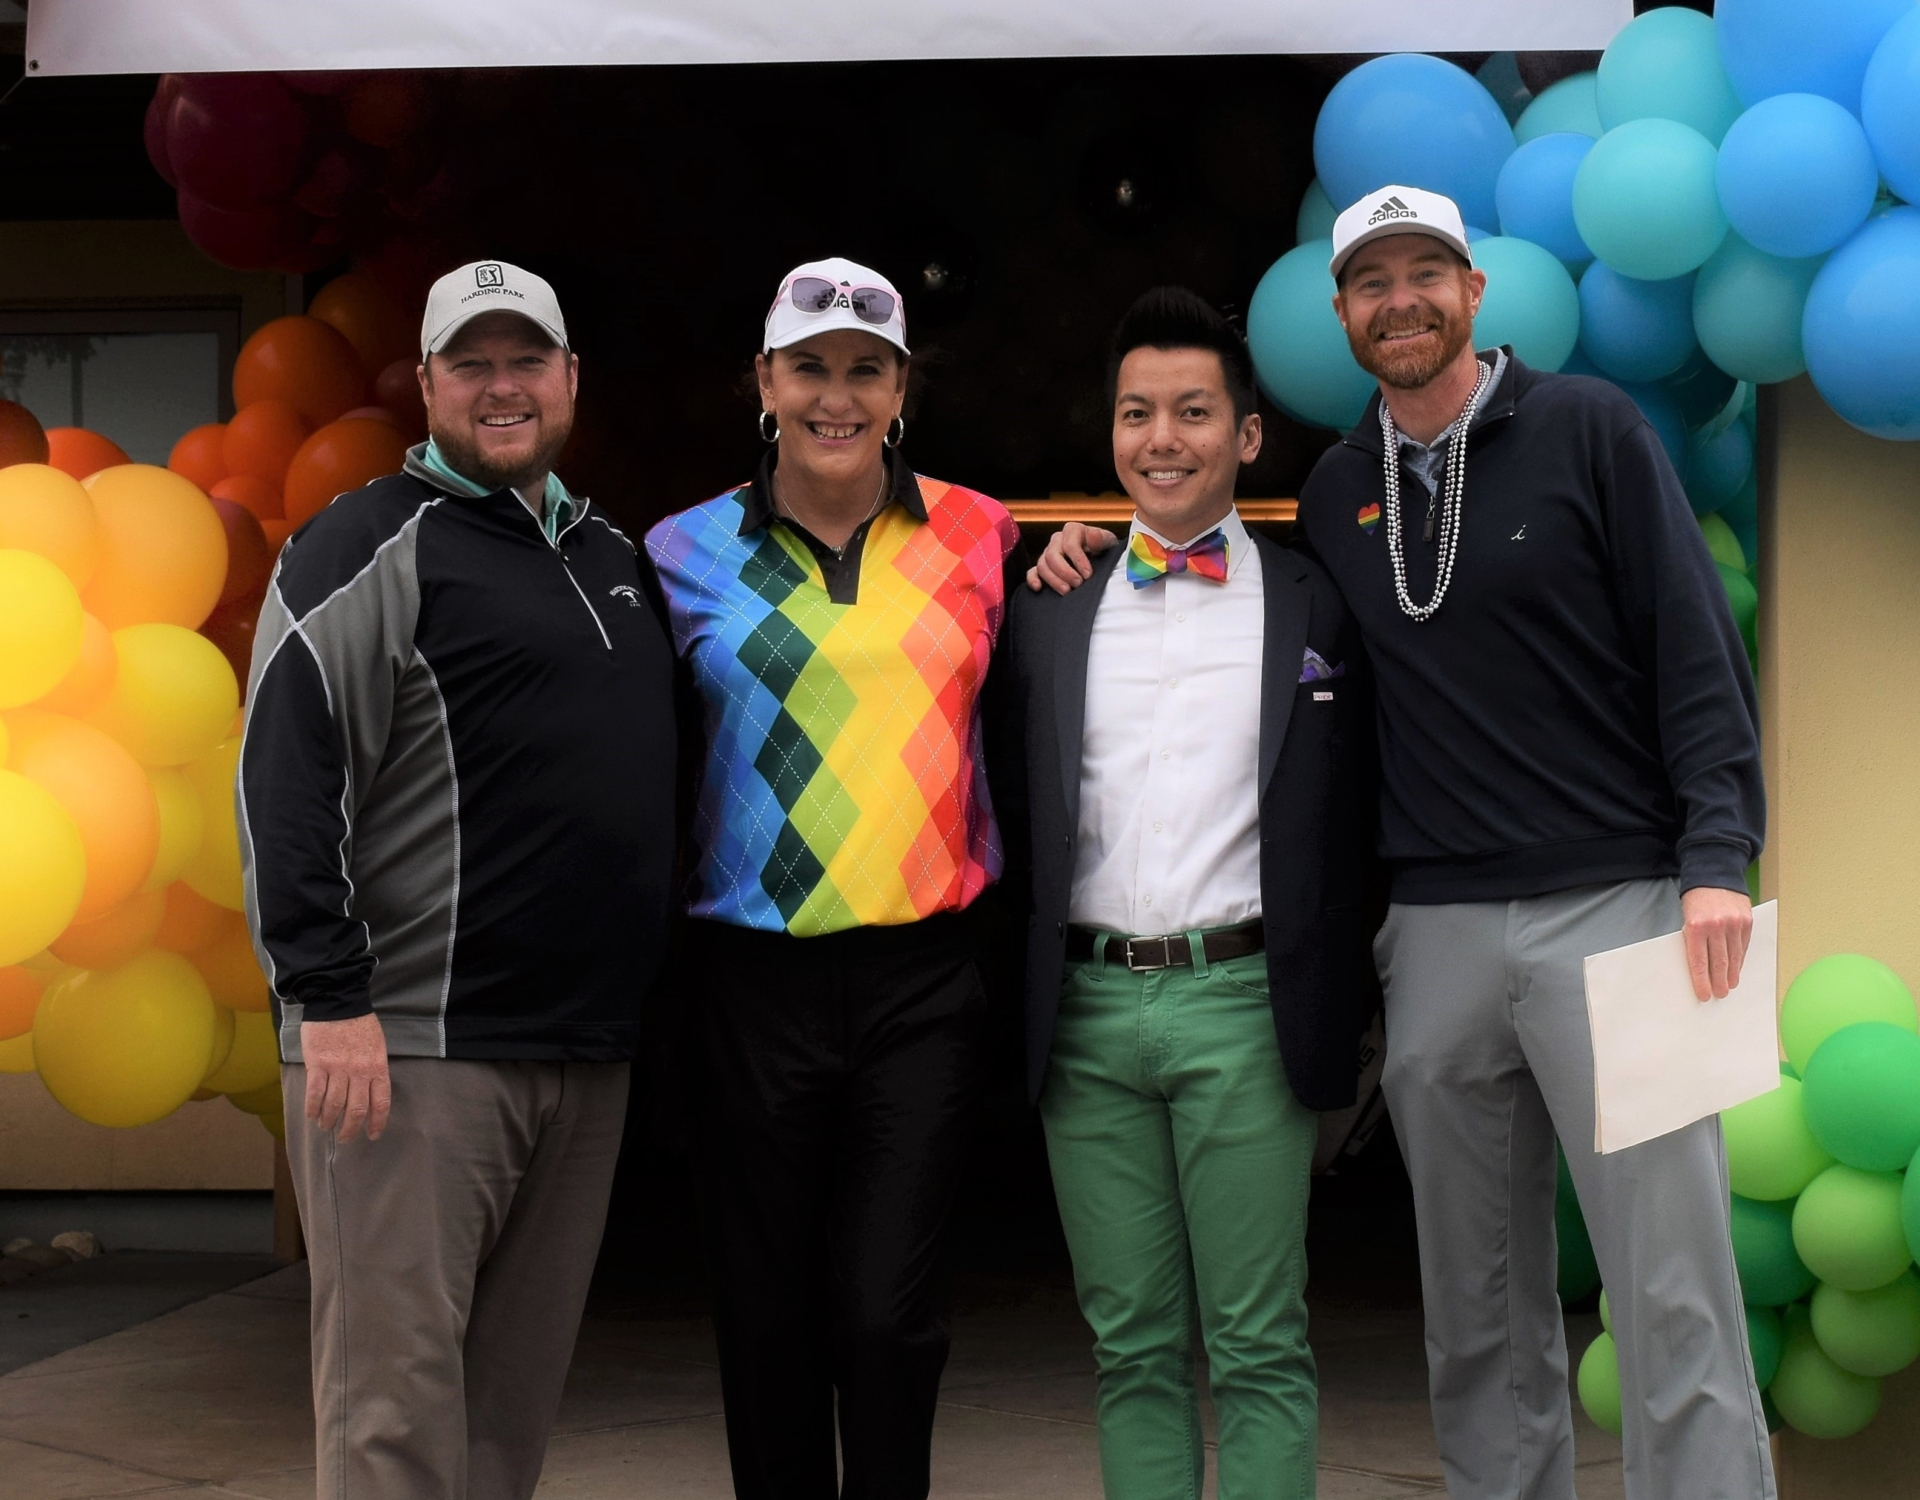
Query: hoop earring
x,y
765,436
896,430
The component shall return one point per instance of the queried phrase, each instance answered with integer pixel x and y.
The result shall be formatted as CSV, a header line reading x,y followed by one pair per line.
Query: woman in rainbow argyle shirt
x,y
837,616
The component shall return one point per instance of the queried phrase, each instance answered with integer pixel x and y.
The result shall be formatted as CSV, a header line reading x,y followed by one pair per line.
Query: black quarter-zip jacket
x,y
456,786
1580,709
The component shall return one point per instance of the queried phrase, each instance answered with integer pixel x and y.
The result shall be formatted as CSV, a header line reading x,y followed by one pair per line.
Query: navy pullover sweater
x,y
1580,710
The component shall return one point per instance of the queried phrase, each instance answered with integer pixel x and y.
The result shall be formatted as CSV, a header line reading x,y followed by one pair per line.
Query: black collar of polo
x,y
903,488
1499,403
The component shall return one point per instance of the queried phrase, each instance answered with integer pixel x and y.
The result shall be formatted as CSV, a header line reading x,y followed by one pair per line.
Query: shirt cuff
x,y
1715,863
337,1005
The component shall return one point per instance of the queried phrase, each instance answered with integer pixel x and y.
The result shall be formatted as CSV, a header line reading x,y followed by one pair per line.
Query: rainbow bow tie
x,y
1149,561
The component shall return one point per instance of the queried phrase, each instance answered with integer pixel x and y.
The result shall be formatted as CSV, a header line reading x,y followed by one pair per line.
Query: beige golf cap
x,y
485,286
826,294
1398,210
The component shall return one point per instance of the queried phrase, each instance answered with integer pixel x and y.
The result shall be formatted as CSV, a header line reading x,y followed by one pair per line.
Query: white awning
x,y
168,36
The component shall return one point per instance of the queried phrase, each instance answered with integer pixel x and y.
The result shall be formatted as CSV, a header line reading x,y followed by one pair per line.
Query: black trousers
x,y
843,1074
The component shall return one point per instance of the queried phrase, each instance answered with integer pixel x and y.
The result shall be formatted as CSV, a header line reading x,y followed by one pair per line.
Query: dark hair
x,y
1171,317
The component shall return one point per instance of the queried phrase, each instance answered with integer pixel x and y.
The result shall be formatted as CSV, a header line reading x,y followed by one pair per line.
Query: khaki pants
x,y
450,1261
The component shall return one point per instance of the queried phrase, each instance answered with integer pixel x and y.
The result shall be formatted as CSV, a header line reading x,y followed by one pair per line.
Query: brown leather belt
x,y
1168,950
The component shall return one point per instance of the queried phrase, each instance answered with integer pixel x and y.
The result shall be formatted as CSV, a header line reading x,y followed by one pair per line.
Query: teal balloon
x,y
1890,105
1747,311
1665,65
1316,216
1764,1339
1500,76
1771,1271
1700,387
1861,1092
1579,1268
1645,200
1530,302
1718,465
1598,1382
1744,600
1847,1228
1814,1394
1875,1332
1299,349
1570,105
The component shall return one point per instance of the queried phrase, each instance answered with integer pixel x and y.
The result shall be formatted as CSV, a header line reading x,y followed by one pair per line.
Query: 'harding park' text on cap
x,y
485,286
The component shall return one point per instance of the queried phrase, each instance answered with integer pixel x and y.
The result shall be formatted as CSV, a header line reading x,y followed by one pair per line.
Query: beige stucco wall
x,y
1840,701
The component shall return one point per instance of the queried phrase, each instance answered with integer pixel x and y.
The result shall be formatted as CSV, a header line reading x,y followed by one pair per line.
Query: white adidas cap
x,y
835,293
485,286
1398,210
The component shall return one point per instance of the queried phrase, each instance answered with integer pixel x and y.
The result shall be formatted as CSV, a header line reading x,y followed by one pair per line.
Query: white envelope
x,y
1662,1059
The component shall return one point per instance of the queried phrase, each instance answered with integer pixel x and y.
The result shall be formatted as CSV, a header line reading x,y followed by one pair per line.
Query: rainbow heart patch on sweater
x,y
1369,517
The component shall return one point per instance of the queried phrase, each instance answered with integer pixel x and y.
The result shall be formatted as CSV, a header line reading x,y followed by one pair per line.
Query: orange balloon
x,y
303,361
81,453
339,457
198,456
102,789
92,675
22,439
261,496
20,991
163,551
231,971
373,322
191,920
277,534
262,439
46,510
114,937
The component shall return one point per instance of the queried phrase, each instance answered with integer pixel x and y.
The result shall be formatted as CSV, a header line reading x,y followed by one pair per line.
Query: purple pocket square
x,y
1314,668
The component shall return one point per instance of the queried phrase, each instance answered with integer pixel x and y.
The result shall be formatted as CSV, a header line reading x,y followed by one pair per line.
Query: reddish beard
x,y
1407,367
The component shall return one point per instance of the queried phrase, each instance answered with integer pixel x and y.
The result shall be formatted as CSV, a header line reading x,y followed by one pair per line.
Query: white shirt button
x,y
1181,618
1146,900
1156,827
1173,682
1166,755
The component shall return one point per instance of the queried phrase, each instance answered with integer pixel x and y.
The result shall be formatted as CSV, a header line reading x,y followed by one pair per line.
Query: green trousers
x,y
1180,1160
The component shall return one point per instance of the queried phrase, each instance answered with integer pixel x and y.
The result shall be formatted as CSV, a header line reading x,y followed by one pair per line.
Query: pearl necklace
x,y
1453,486
841,551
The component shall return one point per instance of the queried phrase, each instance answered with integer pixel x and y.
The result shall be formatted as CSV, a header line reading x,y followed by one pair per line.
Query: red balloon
x,y
231,628
249,559
235,140
277,237
22,439
397,388
159,115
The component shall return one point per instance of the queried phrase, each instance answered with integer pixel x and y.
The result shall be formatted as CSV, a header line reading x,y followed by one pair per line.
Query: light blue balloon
x,y
1571,105
1415,121
1890,106
1316,216
1802,46
1796,175
1530,302
1645,200
1535,194
1665,65
1862,327
1636,330
1299,349
1747,309
1718,465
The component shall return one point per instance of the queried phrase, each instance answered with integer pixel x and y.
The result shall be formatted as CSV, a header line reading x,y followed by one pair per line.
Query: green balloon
x,y
1579,1268
1814,1394
1910,1205
1744,600
1722,543
1771,1271
1771,1154
1599,1384
1862,1095
1847,1229
1870,1333
1764,1339
1839,990
1606,1314
1770,1409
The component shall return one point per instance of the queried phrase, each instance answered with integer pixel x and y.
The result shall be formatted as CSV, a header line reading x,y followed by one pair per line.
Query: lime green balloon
x,y
1599,1384
1839,990
1771,1152
1606,1314
1771,1271
1862,1096
1814,1394
1847,1228
1744,600
1910,1205
1722,543
1764,1339
1870,1333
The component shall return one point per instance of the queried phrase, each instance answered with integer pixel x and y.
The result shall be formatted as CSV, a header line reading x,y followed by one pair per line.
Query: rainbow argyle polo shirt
x,y
843,784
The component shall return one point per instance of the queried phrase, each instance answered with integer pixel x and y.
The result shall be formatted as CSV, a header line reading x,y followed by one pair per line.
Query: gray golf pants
x,y
1488,1054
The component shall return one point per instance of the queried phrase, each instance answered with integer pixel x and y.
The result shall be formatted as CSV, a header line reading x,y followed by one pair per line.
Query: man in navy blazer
x,y
1199,800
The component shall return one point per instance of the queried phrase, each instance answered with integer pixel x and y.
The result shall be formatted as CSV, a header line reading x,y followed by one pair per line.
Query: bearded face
x,y
1407,346
1407,303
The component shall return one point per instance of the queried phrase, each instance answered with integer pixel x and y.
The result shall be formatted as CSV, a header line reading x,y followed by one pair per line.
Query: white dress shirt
x,y
1169,759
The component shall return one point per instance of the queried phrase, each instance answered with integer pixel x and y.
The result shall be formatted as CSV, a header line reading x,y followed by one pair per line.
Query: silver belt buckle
x,y
1140,967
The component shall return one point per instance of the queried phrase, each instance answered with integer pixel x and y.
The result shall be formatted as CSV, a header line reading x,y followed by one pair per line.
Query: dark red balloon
x,y
277,237
235,140
342,173
249,559
397,388
159,115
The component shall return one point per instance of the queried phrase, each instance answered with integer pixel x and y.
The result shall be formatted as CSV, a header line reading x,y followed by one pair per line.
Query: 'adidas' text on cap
x,y
1398,210
485,286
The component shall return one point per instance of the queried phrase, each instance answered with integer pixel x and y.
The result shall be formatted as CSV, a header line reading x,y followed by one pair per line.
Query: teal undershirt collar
x,y
557,512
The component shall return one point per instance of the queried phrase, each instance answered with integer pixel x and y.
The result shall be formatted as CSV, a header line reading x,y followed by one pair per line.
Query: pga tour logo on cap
x,y
489,275
1397,209
485,286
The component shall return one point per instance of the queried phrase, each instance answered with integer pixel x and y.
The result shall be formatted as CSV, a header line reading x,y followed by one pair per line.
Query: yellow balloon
x,y
222,1046
16,1052
265,1100
172,697
41,626
214,869
43,868
182,824
255,1060
163,551
126,1046
273,1122
46,511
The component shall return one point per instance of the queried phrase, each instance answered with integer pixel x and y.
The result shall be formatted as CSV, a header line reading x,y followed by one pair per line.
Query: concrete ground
x,y
211,1400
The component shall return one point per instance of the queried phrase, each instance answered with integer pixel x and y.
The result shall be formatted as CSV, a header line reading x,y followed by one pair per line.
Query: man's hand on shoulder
x,y
347,1083
1717,925
1067,563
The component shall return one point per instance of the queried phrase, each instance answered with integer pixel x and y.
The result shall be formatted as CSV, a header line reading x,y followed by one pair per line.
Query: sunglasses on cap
x,y
816,294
